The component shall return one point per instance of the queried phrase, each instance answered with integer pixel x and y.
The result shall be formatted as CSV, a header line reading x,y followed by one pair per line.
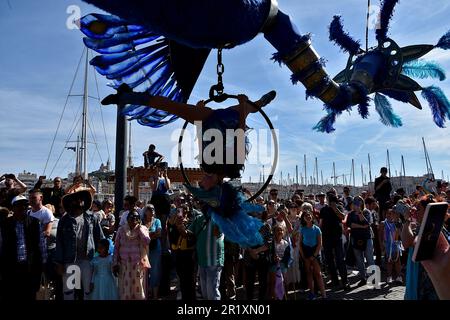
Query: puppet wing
x,y
144,60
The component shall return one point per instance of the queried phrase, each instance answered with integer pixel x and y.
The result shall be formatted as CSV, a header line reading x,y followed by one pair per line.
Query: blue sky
x,y
40,54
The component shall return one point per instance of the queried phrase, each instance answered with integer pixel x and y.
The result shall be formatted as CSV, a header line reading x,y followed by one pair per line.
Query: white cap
x,y
19,198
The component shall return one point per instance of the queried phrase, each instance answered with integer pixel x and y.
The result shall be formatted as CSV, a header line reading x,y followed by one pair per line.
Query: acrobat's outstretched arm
x,y
185,111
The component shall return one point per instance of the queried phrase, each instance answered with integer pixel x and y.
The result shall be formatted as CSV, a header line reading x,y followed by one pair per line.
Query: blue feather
x,y
387,10
363,107
444,41
439,104
423,69
342,38
384,109
326,123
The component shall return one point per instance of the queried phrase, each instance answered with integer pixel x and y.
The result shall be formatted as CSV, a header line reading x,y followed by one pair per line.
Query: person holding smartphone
x,y
13,188
418,283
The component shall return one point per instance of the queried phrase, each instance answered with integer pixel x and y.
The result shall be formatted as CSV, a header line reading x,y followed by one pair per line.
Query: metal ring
x,y
275,159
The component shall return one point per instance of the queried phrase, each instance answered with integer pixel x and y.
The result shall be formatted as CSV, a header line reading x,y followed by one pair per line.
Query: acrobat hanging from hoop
x,y
227,205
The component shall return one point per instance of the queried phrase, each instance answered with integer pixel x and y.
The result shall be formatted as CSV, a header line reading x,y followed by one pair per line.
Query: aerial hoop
x,y
217,94
274,138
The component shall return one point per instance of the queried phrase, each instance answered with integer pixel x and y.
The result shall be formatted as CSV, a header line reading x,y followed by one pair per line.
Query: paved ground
x,y
386,292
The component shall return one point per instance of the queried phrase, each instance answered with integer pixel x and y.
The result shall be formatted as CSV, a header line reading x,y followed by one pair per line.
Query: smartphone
x,y
430,230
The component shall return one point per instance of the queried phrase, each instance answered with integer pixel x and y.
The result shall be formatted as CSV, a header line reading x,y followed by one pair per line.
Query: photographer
x,y
52,195
183,248
10,191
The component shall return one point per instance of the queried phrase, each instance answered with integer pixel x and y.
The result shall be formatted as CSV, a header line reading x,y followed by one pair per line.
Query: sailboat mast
x,y
77,151
317,173
83,166
353,171
306,179
130,160
362,175
334,173
388,163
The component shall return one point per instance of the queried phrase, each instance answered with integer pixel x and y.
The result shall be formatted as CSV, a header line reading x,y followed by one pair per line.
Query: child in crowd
x,y
310,246
103,284
280,263
390,232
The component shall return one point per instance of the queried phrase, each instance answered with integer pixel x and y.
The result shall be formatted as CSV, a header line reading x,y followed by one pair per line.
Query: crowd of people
x,y
311,244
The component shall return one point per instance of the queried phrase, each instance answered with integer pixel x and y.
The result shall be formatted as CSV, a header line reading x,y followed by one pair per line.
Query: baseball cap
x,y
18,198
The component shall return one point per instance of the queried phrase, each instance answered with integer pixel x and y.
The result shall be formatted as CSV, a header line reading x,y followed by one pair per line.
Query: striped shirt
x,y
209,247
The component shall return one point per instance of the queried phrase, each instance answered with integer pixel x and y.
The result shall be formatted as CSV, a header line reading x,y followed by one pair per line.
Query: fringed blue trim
x,y
424,69
439,104
301,75
387,10
384,109
444,41
342,38
281,55
326,123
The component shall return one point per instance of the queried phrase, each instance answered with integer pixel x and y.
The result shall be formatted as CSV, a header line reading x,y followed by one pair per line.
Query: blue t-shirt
x,y
309,235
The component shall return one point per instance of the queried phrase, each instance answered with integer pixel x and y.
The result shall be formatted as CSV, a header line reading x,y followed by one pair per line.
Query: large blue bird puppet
x,y
159,47
175,37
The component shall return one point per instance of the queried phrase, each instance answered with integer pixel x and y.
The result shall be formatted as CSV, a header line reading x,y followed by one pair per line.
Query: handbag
x,y
44,291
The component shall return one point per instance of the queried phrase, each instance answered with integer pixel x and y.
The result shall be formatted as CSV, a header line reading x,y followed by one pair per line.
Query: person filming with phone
x,y
52,195
427,273
13,188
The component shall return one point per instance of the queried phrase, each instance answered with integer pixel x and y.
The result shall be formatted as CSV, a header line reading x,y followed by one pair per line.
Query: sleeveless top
x,y
161,186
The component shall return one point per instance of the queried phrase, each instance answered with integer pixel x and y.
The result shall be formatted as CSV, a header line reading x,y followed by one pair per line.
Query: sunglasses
x,y
135,218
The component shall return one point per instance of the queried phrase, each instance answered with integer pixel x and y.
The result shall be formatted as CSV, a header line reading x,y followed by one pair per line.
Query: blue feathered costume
x,y
160,47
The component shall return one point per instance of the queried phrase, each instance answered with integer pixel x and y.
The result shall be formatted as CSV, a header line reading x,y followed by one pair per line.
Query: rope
x,y
367,25
101,114
65,145
62,113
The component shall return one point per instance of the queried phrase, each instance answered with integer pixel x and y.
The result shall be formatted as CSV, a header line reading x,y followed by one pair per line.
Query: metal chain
x,y
220,71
